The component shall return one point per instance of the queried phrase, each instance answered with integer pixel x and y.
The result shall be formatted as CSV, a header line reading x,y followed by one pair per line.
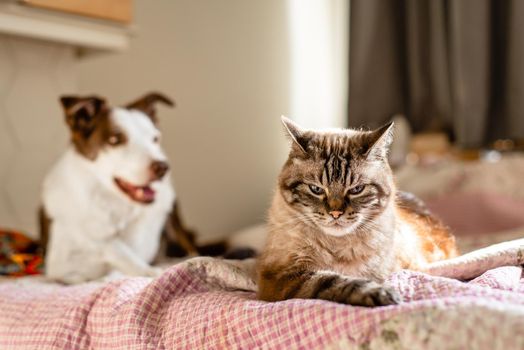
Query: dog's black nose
x,y
159,169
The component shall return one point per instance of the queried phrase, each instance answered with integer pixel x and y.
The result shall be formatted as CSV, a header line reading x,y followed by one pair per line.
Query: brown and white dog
x,y
107,199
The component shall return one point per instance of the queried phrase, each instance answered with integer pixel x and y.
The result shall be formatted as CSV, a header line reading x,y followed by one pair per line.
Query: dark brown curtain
x,y
455,65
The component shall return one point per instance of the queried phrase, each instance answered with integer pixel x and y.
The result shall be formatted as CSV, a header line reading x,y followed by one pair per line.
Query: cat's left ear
x,y
378,142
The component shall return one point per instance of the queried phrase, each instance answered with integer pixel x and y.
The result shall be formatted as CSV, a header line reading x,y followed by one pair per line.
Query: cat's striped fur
x,y
338,226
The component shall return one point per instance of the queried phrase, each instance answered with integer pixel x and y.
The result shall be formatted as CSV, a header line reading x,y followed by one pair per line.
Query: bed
x,y
207,303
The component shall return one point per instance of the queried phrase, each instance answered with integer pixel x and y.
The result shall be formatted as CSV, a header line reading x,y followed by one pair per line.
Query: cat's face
x,y
337,180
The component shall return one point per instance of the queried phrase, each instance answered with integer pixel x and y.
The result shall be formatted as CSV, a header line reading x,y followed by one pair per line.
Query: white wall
x,y
33,74
226,64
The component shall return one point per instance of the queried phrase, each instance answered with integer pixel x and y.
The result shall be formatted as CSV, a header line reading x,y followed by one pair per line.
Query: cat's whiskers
x,y
304,219
294,220
369,225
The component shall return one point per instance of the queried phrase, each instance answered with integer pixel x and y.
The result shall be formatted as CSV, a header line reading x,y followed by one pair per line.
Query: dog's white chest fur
x,y
96,227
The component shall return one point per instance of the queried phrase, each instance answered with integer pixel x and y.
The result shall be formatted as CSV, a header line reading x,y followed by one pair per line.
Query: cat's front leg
x,y
328,286
349,290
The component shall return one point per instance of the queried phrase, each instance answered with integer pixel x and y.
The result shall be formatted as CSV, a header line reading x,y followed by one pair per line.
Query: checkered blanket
x,y
206,303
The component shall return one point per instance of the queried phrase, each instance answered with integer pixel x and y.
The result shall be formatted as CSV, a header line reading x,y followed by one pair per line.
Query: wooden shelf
x,y
113,10
88,34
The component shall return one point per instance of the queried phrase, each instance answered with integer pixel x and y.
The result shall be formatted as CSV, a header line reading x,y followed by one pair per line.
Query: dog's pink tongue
x,y
148,194
144,194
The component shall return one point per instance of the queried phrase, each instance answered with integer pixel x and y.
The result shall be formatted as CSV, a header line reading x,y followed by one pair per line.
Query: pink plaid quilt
x,y
206,303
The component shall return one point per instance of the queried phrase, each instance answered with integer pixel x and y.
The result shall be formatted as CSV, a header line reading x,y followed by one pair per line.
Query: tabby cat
x,y
338,226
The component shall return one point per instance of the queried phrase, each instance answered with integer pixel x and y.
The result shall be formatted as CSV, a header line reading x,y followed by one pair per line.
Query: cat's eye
x,y
116,139
316,190
357,189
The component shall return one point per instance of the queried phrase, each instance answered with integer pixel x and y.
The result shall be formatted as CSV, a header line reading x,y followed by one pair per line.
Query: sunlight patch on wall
x,y
319,41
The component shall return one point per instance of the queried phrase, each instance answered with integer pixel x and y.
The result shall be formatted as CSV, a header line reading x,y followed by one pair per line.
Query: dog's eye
x,y
316,190
156,139
357,189
115,139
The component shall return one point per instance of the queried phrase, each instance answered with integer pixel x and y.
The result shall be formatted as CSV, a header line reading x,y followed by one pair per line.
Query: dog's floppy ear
x,y
86,117
147,104
82,112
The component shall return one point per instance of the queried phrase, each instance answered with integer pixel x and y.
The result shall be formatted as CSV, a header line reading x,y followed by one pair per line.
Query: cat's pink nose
x,y
336,213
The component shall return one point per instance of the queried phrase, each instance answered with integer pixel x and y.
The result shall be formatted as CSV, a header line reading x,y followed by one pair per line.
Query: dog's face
x,y
122,142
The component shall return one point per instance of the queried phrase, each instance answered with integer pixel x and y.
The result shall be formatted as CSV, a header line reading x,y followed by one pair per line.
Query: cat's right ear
x,y
296,133
378,142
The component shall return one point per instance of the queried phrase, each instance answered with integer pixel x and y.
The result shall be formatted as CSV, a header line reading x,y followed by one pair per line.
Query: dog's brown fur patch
x,y
44,222
146,104
88,119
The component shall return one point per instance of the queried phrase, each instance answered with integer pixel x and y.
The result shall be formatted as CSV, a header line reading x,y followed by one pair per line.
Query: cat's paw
x,y
367,293
382,296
